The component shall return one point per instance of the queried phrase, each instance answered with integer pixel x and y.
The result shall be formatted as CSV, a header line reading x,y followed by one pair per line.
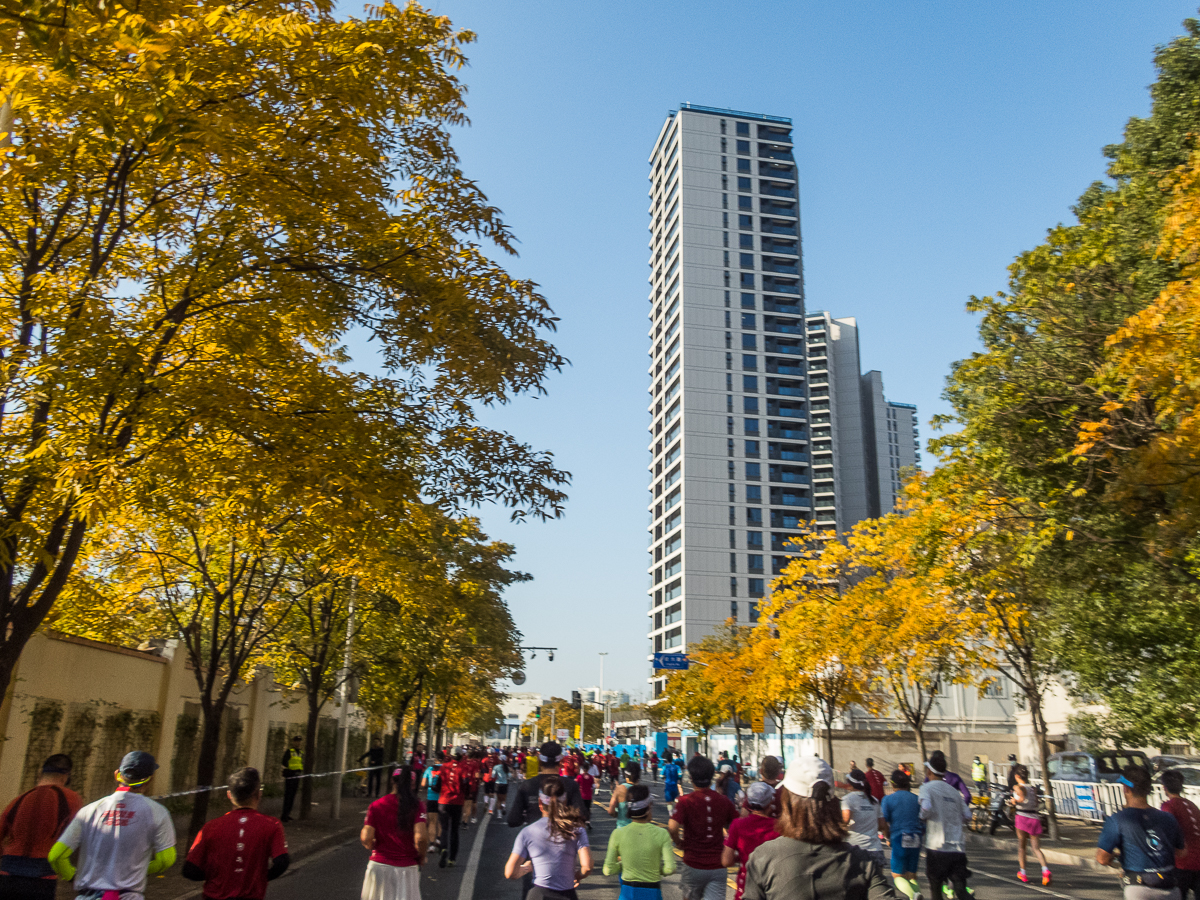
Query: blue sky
x,y
934,140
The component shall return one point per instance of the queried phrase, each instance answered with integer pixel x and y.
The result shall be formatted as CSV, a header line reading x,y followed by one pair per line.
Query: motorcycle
x,y
1000,809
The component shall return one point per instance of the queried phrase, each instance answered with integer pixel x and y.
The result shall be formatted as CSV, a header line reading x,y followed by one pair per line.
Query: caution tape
x,y
225,787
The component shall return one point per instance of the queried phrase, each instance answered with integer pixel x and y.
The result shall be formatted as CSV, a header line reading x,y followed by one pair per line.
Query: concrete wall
x,y
97,701
890,748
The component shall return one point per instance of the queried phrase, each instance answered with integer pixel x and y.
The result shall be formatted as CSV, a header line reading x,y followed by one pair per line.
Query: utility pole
x,y
553,733
582,707
335,808
429,731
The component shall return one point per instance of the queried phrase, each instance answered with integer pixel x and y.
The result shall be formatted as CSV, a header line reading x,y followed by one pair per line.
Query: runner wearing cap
x,y
236,855
749,832
641,851
1149,840
811,858
697,827
28,829
860,812
122,838
944,813
523,807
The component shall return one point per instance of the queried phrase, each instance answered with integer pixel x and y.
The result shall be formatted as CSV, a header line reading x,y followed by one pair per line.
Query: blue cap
x,y
137,767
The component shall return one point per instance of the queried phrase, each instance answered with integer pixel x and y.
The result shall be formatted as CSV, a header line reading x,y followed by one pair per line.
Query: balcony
x,y
784,367
792,409
772,133
782,305
773,226
766,151
777,208
782,518
771,189
776,170
783,389
772,246
789,497
783,345
781,266
791,455
781,326
781,285
783,475
786,430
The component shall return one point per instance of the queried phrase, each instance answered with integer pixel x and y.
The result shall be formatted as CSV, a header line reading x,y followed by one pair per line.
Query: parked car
x,y
1079,765
1159,763
1191,774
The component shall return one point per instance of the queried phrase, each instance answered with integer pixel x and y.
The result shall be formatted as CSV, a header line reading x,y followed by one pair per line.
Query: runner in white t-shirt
x,y
122,838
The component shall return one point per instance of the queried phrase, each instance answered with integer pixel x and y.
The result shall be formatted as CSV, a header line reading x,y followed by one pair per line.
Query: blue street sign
x,y
670,660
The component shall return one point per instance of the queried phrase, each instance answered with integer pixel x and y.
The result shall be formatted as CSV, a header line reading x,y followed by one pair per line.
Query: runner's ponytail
x,y
563,818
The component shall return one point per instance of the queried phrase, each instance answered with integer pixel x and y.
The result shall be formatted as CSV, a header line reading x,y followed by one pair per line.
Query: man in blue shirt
x,y
901,810
1148,840
671,776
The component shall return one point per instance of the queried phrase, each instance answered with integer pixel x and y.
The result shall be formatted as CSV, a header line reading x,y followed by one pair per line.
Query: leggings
x,y
449,817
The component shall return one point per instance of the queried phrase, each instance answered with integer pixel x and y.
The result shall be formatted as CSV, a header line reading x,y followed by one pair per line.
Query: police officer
x,y
293,768
979,776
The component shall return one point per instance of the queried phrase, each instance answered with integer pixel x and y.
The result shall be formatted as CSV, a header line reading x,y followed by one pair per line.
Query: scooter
x,y
1000,809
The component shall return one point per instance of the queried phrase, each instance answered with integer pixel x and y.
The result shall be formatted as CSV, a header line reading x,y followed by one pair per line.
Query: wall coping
x,y
101,645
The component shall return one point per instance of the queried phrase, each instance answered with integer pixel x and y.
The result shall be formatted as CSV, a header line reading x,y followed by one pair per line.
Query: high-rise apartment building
x,y
861,442
729,442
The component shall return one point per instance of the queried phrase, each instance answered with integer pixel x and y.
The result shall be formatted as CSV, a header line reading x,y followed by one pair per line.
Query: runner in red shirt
x,y
1187,814
874,780
698,829
30,826
450,807
236,855
748,833
587,790
395,831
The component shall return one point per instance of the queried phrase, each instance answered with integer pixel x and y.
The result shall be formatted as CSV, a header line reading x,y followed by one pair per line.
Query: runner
x,y
586,782
1028,823
524,809
901,812
618,805
500,783
548,848
671,777
697,827
122,838
1187,814
236,855
944,812
653,758
28,829
431,779
641,852
727,777
811,859
938,758
874,779
770,773
860,812
749,832
450,809
1148,839
471,772
532,767
395,833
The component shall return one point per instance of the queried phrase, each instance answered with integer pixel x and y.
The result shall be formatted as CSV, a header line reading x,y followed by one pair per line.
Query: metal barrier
x,y
225,787
1096,801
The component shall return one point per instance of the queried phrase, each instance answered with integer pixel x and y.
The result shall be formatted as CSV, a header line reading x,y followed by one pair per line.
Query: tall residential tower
x,y
729,455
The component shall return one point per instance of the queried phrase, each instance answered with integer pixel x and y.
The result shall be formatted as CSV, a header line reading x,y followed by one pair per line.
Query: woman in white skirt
x,y
396,834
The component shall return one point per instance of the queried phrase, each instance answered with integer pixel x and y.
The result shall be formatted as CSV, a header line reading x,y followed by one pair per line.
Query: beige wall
x,y
888,748
96,701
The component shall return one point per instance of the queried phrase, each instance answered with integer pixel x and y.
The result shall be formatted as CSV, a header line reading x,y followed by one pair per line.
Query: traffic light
x,y
576,700
537,712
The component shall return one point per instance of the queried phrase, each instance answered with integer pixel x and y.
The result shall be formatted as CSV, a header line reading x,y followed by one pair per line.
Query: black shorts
x,y
502,790
489,787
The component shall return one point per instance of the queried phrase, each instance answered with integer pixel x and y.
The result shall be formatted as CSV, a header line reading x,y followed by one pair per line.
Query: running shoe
x,y
442,859
1046,876
1022,876
452,864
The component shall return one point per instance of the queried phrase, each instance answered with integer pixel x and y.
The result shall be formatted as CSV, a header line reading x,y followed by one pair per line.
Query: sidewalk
x,y
1076,845
305,838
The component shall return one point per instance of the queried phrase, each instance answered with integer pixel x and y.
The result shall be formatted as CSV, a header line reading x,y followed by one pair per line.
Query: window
x,y
754,540
754,564
747,301
725,201
743,165
750,406
727,259
674,638
729,425
749,342
753,608
747,282
673,498
750,426
673,544
748,323
746,223
743,148
724,163
744,185
733,610
732,539
673,521
743,129
778,563
995,689
733,515
725,220
674,589
732,587
752,449
729,360
746,241
722,128
754,517
753,493
756,586
673,432
753,470
725,181
731,475
658,575
750,384
749,363
732,562
729,445
732,495
743,202
674,566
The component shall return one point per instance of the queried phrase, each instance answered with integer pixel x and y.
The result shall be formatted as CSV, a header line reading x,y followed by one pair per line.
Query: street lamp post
x,y
603,703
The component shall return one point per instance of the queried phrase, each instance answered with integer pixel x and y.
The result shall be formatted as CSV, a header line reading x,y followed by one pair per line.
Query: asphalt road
x,y
337,874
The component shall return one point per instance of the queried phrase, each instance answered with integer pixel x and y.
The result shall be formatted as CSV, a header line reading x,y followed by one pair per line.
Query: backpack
x,y
64,810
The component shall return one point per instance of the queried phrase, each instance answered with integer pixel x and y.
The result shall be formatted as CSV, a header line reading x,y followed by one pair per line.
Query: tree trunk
x,y
206,765
310,750
919,734
782,755
1039,730
828,717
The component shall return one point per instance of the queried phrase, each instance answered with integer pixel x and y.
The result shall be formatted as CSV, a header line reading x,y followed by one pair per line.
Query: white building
x,y
591,695
515,708
729,465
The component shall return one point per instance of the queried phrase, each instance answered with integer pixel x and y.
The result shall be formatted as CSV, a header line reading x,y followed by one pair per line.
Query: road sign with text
x,y
756,723
670,660
562,734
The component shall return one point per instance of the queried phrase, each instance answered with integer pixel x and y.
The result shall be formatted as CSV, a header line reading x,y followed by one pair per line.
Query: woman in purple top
x,y
549,847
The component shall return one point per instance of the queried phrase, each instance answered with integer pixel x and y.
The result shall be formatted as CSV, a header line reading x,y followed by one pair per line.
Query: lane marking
x,y
1019,883
466,890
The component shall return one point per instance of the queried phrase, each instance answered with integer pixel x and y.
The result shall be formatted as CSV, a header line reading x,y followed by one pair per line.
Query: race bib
x,y
910,841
